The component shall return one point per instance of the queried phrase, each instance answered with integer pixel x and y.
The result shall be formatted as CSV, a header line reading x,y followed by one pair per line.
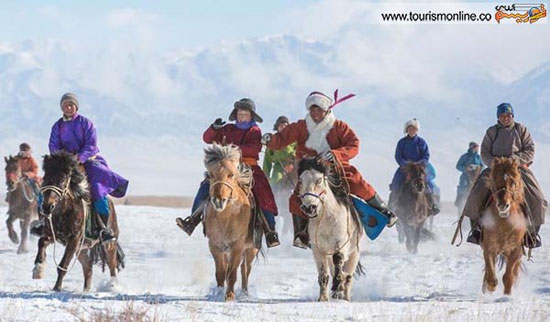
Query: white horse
x,y
334,232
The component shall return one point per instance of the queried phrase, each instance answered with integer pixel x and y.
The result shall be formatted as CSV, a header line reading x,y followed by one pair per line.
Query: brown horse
x,y
412,206
22,203
503,224
228,219
66,208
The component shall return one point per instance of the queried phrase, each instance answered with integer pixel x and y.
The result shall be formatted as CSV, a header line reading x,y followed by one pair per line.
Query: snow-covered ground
x,y
170,277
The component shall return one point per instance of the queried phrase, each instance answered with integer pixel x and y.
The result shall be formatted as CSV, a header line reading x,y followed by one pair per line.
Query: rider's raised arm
x,y
212,135
350,142
526,153
89,146
294,132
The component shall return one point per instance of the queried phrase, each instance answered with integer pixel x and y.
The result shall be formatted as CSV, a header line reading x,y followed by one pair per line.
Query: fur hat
x,y
318,99
414,123
24,147
280,120
69,97
245,104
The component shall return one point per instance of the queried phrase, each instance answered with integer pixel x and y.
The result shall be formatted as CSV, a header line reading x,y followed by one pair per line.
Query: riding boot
x,y
271,236
474,236
106,234
301,237
189,224
377,203
532,238
434,207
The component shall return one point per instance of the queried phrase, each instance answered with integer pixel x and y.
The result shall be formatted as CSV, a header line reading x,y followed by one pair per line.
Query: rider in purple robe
x,y
76,134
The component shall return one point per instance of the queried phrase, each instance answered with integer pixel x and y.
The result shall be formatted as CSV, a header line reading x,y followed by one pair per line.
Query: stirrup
x,y
106,236
272,239
299,242
392,221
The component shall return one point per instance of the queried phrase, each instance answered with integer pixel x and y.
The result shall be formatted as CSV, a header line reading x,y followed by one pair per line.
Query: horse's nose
x,y
309,209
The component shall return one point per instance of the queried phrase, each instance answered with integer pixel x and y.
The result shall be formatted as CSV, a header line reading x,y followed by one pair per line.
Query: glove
x,y
328,156
266,138
218,124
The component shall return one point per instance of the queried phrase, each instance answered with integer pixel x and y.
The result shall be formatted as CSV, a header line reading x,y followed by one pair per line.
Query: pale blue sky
x,y
176,24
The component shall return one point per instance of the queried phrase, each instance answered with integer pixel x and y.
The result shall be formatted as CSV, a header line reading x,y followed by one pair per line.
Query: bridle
x,y
60,192
314,195
215,183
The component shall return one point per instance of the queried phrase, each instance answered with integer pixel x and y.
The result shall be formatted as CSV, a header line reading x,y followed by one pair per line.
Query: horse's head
x,y
473,171
313,184
506,184
222,163
62,177
13,172
415,175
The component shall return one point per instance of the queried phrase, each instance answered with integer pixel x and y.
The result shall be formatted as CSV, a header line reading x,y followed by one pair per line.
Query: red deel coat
x,y
344,145
250,143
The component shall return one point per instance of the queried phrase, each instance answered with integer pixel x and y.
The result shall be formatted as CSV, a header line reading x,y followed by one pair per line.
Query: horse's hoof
x,y
13,237
38,272
57,289
323,298
338,295
22,251
229,296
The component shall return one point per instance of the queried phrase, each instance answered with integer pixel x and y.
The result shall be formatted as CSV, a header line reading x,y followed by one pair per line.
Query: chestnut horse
x,y
228,218
22,203
503,224
66,208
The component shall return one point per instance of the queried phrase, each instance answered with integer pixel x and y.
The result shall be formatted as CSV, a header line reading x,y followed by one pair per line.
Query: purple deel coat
x,y
78,136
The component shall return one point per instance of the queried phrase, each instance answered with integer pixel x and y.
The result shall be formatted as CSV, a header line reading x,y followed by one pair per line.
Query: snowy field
x,y
170,277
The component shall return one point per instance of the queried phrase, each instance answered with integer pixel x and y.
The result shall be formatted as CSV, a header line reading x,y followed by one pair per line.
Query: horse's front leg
x,y
39,262
221,265
323,274
24,224
65,261
11,232
339,278
513,263
86,262
235,258
490,280
349,269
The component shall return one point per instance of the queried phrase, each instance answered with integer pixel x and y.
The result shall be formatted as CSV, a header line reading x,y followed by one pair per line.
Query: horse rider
x,y
412,148
469,159
279,165
321,134
29,168
510,139
246,134
73,133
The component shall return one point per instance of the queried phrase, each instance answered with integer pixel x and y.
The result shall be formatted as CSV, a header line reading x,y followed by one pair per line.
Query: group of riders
x,y
320,135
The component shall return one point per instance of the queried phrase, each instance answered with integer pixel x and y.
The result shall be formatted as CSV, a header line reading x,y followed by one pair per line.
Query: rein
x,y
62,193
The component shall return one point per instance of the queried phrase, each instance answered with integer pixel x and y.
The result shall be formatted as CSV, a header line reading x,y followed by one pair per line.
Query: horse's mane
x,y
62,164
414,168
215,154
336,183
503,168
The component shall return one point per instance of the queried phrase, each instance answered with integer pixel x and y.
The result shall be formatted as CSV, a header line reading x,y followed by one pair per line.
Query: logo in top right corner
x,y
521,13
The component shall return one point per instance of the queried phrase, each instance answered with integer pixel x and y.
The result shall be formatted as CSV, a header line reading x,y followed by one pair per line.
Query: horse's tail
x,y
359,270
98,255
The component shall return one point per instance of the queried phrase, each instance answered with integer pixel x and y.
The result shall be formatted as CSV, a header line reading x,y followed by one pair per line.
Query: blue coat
x,y
465,160
409,149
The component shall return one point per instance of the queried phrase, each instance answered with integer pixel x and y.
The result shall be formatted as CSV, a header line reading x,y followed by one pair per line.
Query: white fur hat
x,y
318,99
414,123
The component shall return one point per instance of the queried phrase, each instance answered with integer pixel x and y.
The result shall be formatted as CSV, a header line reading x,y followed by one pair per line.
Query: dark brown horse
x,y
504,224
472,172
412,205
22,203
65,209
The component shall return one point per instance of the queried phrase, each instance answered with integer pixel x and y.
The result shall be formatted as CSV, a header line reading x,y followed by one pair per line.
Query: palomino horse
x,y
333,230
503,224
22,203
66,208
412,206
228,219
